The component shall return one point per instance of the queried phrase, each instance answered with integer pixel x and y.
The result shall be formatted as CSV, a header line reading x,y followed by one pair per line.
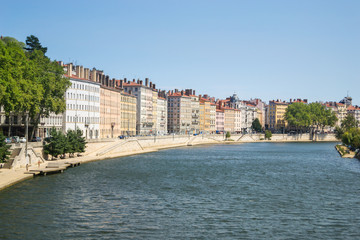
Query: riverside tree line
x,y
33,86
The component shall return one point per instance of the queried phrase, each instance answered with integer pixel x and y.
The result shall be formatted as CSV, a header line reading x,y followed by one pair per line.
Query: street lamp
x,y
112,129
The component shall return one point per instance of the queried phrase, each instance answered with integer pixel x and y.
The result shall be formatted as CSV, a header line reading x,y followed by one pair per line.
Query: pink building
x,y
220,120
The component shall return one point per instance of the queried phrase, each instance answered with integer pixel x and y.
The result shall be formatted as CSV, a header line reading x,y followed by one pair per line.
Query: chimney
x,y
77,69
93,75
182,92
138,81
86,73
194,92
113,82
141,82
150,84
121,83
154,86
69,69
146,81
82,72
176,90
133,79
103,79
124,80
107,80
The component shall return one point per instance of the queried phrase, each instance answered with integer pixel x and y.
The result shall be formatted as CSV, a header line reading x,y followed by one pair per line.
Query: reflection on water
x,y
251,191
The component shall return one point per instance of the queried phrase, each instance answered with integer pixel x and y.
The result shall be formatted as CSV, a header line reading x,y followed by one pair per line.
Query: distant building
x,y
220,120
179,112
146,105
161,124
110,112
347,101
355,112
195,111
82,107
276,115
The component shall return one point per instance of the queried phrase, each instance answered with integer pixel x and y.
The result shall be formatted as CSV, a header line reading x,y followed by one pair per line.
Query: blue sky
x,y
258,49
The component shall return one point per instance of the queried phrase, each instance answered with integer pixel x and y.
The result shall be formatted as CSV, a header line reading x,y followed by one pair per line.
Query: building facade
x,y
145,119
82,107
276,115
179,112
161,123
110,112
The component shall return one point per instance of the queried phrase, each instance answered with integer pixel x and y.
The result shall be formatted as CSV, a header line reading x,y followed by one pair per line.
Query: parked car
x,y
15,139
36,139
7,140
22,140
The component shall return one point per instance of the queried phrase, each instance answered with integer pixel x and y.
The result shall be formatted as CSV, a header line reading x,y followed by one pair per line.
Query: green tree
x,y
56,144
352,138
268,134
349,122
297,115
81,143
19,91
228,135
4,149
6,40
49,74
33,43
256,126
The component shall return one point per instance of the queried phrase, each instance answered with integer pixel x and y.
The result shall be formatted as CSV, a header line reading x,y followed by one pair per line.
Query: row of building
x,y
106,108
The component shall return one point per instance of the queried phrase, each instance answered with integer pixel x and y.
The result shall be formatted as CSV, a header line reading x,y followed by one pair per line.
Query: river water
x,y
247,191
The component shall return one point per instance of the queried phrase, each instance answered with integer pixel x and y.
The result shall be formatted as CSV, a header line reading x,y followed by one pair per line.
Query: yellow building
x,y
205,117
110,112
276,115
128,114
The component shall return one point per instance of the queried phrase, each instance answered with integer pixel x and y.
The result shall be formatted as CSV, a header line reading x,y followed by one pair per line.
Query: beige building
x,y
128,114
179,112
229,116
110,112
195,111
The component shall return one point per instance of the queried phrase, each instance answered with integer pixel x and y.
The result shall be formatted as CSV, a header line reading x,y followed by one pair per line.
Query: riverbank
x,y
114,148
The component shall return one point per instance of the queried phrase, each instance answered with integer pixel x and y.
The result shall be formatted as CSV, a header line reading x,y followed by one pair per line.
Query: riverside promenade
x,y
113,148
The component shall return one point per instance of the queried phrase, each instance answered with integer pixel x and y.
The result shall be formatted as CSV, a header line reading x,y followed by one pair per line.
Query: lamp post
x,y
112,129
86,126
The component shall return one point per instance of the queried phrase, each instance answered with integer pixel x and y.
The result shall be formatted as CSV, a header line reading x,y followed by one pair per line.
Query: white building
x,y
145,118
83,107
161,123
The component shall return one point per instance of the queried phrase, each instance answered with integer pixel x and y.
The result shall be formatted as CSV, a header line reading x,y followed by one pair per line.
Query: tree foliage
x,y
228,135
33,43
348,123
61,144
256,125
352,138
29,81
303,116
298,115
4,149
268,134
